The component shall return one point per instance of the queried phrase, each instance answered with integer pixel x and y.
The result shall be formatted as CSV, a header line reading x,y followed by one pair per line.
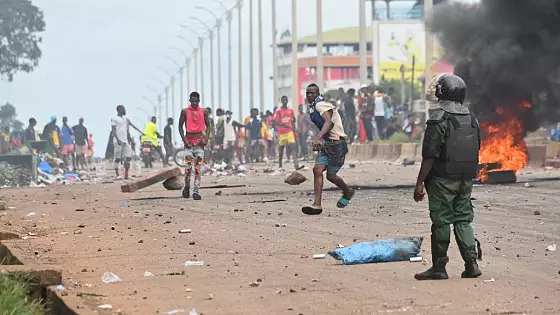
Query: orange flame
x,y
503,142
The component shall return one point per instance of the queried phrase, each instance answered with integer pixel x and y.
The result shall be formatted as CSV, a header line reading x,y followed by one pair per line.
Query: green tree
x,y
8,117
20,23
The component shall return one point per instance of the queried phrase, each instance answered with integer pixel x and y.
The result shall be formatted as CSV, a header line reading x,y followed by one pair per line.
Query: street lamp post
x,y
159,99
201,49
251,56
211,37
195,62
240,60
320,73
295,87
274,53
261,68
363,60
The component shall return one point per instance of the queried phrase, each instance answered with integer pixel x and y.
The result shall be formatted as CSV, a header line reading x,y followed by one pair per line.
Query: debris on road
x,y
319,256
537,212
416,259
193,312
528,185
189,263
222,186
210,297
148,274
389,250
490,280
109,277
280,225
268,201
254,284
295,178
218,193
176,311
486,204
150,179
551,248
185,231
30,214
408,162
105,306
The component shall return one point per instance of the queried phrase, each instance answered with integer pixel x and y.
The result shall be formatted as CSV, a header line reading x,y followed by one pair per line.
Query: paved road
x,y
235,235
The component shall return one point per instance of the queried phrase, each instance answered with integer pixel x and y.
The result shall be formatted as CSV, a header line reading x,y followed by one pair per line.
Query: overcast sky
x,y
100,53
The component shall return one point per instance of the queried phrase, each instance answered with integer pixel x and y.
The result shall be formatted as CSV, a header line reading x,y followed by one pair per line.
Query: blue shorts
x,y
332,155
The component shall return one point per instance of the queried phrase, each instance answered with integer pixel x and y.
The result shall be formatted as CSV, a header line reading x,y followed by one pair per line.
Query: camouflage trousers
x,y
450,203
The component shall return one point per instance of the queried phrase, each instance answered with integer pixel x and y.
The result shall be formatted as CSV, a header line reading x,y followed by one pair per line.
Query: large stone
x,y
295,178
174,183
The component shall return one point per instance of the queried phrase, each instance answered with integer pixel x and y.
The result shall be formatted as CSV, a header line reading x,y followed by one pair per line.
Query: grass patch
x,y
14,296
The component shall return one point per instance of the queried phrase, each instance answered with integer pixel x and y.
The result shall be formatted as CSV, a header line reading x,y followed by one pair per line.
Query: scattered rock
x,y
185,231
280,213
551,248
295,178
528,185
292,291
82,226
254,284
173,183
218,193
78,232
191,243
140,241
537,212
80,210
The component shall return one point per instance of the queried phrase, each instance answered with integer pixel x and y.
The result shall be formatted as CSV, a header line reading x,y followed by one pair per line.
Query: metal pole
x,y
295,82
374,44
213,105
166,102
218,25
201,43
363,46
261,67
160,112
195,62
181,94
240,61
428,7
251,56
230,83
188,79
320,65
274,54
172,98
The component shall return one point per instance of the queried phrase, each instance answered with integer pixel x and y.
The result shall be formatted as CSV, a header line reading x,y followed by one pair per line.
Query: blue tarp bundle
x,y
394,249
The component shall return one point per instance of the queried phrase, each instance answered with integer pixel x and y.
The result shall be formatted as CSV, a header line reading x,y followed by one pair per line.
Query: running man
x,y
197,124
331,145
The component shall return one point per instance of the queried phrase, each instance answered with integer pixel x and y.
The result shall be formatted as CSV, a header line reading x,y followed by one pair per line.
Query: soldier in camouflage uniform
x,y
450,160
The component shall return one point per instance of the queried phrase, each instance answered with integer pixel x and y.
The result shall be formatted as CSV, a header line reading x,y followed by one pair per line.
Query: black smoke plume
x,y
506,51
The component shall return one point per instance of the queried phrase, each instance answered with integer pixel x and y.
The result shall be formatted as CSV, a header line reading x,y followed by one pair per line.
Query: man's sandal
x,y
343,201
311,210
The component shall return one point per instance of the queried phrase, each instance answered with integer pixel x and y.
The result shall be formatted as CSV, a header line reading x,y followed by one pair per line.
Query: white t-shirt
x,y
379,109
229,131
121,128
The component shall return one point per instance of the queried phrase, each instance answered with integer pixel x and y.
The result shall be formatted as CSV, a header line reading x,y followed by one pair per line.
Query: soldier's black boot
x,y
436,272
471,266
439,261
471,270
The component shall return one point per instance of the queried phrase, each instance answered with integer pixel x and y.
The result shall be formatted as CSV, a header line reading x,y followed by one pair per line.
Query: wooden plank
x,y
222,186
151,179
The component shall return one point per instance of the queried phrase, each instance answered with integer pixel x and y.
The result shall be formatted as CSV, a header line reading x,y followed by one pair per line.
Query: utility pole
x,y
230,82
363,45
201,43
181,94
261,67
240,60
251,56
428,7
320,73
274,54
295,82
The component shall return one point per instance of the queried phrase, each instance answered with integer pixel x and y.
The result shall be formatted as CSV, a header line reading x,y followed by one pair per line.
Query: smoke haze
x,y
506,51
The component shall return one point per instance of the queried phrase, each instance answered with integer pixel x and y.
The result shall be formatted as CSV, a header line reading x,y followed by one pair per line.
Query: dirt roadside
x,y
91,229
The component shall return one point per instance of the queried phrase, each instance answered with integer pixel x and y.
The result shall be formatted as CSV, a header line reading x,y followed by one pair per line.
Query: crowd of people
x,y
74,145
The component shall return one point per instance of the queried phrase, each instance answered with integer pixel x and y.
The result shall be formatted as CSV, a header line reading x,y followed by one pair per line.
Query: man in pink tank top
x,y
195,122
